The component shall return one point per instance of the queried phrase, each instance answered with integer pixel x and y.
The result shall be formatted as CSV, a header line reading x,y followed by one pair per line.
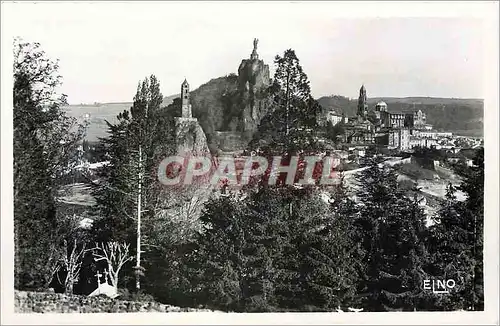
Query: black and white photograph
x,y
250,162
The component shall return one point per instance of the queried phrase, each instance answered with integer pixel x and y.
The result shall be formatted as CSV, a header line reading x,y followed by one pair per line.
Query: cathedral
x,y
379,126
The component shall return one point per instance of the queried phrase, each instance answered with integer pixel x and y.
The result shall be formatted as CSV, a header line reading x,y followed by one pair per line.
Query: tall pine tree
x,y
290,125
216,264
129,197
393,233
334,256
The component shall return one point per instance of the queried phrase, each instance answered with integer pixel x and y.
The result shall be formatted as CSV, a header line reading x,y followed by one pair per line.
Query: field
x,y
97,115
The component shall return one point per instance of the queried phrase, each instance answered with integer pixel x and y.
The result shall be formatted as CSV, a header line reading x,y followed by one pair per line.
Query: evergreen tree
x,y
447,245
473,186
292,119
284,216
334,132
45,142
216,263
456,241
257,251
238,251
393,233
129,196
334,255
115,192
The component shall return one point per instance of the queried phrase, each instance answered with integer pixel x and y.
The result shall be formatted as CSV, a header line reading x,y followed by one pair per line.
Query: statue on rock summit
x,y
254,55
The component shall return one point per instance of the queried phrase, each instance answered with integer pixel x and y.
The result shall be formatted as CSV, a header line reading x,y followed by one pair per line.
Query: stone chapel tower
x,y
186,107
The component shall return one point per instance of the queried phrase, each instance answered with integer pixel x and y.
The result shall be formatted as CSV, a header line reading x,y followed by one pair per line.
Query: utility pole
x,y
287,100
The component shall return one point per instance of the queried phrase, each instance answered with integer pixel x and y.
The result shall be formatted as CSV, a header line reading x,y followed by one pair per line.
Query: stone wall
x,y
42,302
228,141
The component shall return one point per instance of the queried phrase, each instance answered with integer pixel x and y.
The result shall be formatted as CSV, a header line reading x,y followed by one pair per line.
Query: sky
x,y
106,48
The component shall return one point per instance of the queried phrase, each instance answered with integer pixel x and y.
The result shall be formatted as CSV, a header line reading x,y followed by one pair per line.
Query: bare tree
x,y
53,263
115,255
72,263
58,254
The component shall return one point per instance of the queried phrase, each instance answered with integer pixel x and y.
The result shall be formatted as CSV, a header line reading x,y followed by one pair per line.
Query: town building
x,y
331,116
335,118
432,134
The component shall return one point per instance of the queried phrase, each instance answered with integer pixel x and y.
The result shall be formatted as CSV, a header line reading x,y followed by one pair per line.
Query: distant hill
x,y
461,116
100,112
213,108
167,100
429,100
209,106
218,104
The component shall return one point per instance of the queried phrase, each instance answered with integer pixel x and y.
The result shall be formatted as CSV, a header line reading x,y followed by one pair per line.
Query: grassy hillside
x,y
461,116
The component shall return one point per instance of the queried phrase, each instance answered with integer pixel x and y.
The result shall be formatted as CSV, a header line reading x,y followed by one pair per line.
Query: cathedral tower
x,y
362,103
186,107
